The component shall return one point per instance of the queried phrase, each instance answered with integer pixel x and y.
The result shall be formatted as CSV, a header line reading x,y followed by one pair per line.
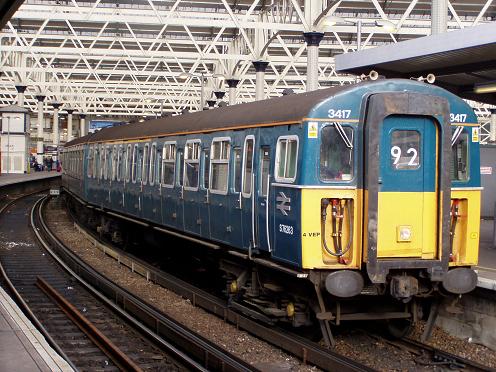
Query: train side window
x,y
127,164
265,169
146,164
192,164
219,165
237,168
139,164
106,163
206,167
459,158
133,163
158,168
248,166
114,163
286,156
101,163
336,153
405,150
153,159
180,168
120,161
168,164
95,161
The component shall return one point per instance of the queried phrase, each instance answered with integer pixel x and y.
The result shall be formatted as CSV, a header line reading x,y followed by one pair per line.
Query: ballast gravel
x,y
353,343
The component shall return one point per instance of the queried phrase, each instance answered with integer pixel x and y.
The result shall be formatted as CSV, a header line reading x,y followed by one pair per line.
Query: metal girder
x,y
125,58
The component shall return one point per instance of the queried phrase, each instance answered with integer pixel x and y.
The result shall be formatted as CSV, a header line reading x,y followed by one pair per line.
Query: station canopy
x,y
463,61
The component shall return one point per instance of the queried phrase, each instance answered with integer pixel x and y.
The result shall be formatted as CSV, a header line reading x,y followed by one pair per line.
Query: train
x,y
356,202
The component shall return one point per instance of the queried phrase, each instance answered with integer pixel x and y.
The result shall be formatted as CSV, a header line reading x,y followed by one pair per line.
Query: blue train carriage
x,y
326,197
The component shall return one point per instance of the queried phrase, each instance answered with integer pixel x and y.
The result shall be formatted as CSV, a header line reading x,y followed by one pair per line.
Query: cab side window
x,y
286,156
459,157
336,153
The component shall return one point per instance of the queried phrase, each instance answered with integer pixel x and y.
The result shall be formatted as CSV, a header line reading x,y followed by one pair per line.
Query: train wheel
x,y
399,328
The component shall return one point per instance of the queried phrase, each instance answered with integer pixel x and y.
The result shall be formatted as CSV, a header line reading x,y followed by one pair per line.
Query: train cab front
x,y
408,212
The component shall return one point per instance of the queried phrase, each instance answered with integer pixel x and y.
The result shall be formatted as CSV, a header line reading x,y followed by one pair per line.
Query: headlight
x,y
404,234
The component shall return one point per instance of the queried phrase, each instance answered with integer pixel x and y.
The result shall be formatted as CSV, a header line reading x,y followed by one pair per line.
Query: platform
x,y
22,347
11,178
487,257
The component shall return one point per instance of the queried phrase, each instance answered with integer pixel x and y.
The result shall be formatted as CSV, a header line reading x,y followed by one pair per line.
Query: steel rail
x,y
207,356
120,359
438,357
20,301
307,351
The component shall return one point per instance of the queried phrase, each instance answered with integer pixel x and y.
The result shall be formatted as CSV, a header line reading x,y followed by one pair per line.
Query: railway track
x,y
307,351
425,355
132,346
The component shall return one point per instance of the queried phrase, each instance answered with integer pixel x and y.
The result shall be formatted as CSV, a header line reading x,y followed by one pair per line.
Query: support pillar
x,y
439,16
232,84
492,126
40,149
55,128
70,136
82,125
20,94
313,40
260,67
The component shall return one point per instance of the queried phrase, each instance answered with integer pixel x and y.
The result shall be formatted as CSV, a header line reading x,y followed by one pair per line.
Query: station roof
x,y
463,61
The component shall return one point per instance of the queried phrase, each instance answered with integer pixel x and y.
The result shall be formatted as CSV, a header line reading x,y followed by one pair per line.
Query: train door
x,y
235,197
133,188
408,198
248,222
262,207
116,189
151,207
219,187
204,192
191,177
168,177
127,177
178,191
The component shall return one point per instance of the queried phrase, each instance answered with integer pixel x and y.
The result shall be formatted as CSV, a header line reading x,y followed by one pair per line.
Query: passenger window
x,y
114,163
139,164
153,159
237,169
146,164
248,166
95,162
265,169
128,163
459,158
336,153
168,164
120,161
133,163
101,163
192,164
405,150
206,167
219,165
180,167
286,155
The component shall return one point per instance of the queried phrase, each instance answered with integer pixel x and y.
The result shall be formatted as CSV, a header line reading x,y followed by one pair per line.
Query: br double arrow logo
x,y
283,203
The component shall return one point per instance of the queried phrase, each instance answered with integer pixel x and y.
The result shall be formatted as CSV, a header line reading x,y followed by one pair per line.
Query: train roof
x,y
281,110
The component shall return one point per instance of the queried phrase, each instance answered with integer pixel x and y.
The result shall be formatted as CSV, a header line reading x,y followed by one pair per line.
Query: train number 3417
x,y
339,114
458,118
